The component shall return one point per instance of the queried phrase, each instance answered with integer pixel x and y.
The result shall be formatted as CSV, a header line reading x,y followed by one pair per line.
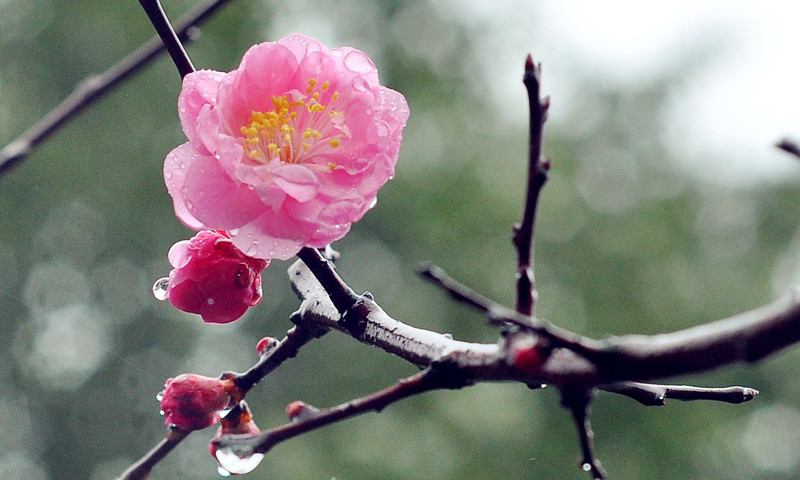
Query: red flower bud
x,y
212,277
193,402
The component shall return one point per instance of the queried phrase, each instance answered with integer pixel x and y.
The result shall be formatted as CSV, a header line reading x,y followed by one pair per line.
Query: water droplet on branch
x,y
238,459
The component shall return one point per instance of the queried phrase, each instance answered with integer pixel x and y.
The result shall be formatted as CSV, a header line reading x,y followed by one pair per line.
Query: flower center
x,y
299,127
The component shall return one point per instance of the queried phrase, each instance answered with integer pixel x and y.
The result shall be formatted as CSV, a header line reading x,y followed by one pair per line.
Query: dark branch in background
x,y
94,87
789,146
537,176
167,34
141,469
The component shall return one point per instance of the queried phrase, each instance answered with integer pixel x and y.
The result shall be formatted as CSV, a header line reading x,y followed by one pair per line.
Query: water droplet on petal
x,y
252,249
161,288
238,459
358,62
233,231
360,85
210,301
160,396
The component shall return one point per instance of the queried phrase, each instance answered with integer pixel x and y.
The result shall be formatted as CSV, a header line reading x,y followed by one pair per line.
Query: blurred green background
x,y
629,241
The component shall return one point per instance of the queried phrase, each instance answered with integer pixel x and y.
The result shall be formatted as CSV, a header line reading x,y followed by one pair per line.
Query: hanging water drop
x,y
160,396
222,472
161,288
238,459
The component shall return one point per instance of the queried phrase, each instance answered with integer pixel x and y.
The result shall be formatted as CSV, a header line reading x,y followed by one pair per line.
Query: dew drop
x,y
358,62
360,85
252,249
222,472
586,467
161,288
238,459
160,396
233,231
210,301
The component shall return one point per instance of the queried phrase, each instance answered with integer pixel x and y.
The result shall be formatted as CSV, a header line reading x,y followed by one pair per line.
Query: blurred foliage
x,y
626,244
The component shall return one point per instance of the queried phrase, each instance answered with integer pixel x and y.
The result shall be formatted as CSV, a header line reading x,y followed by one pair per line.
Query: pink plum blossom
x,y
193,402
213,278
287,150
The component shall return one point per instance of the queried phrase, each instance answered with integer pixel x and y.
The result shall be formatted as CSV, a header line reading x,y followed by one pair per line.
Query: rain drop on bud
x,y
160,288
238,459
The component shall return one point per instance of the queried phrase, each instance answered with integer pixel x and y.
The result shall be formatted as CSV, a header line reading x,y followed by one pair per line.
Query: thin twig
x,y
523,237
578,402
499,314
430,379
164,29
653,395
287,348
141,469
92,88
790,147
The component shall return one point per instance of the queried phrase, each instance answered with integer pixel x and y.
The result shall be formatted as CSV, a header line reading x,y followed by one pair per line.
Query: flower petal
x,y
297,181
215,199
175,167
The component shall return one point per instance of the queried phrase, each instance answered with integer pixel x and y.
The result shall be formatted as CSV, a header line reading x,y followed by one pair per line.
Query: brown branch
x,y
523,236
368,323
287,348
578,402
141,469
747,337
94,87
342,296
439,376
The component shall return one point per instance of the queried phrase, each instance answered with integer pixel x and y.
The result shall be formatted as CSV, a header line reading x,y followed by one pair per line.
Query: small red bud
x,y
528,357
298,411
265,345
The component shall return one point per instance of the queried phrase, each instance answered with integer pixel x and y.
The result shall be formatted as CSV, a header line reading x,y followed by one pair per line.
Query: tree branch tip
x,y
789,147
749,394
